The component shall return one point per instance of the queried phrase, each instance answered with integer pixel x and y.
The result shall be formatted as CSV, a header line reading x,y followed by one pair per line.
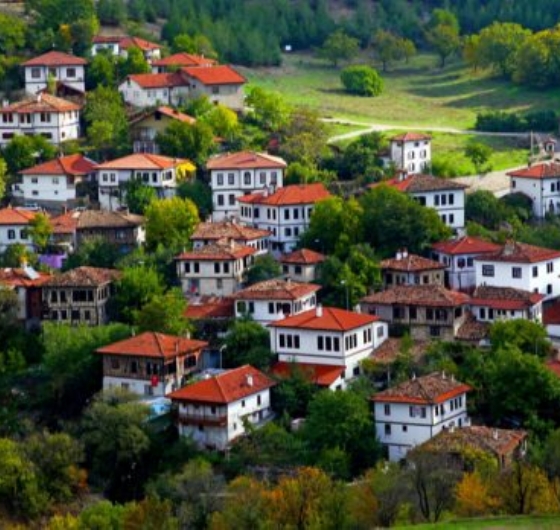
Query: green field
x,y
497,523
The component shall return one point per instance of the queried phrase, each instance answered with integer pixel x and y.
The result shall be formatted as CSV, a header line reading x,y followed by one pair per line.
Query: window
x,y
262,177
387,429
230,179
133,367
328,343
550,267
11,234
251,307
231,199
247,178
55,180
444,199
288,232
35,73
45,117
451,198
220,179
412,313
535,271
70,72
320,343
435,331
243,403
196,267
488,270
387,410
296,342
516,272
436,200
220,200
404,428
451,218
215,89
549,289
287,214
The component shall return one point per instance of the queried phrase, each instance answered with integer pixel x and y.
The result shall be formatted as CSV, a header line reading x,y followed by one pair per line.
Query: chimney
x,y
404,253
443,376
39,97
249,380
414,376
452,429
5,103
399,255
495,434
319,310
509,247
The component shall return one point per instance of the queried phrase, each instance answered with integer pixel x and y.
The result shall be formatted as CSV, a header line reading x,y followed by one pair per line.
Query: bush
x,y
499,121
362,80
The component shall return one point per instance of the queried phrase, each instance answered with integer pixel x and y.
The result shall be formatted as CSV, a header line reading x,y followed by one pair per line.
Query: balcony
x,y
211,420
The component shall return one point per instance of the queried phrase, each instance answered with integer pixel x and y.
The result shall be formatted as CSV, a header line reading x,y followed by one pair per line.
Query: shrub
x,y
503,122
362,80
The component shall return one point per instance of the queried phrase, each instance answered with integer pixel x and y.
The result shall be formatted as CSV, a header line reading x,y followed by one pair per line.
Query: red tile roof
x,y
420,184
143,161
319,374
163,110
465,245
227,230
245,160
124,41
215,75
184,59
75,165
83,277
165,80
515,252
410,137
276,290
296,194
390,349
41,103
472,330
551,314
506,298
226,387
210,307
20,278
326,319
14,216
411,263
66,223
426,390
417,295
54,58
303,256
219,251
155,345
538,171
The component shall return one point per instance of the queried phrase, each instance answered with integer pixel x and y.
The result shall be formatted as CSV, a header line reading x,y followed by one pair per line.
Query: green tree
x,y
268,109
25,151
247,342
135,63
170,222
185,140
389,48
40,231
479,154
103,515
361,158
165,313
137,195
3,178
223,121
101,71
304,138
12,34
199,193
528,336
152,513
111,12
264,268
362,80
293,394
445,40
339,47
94,252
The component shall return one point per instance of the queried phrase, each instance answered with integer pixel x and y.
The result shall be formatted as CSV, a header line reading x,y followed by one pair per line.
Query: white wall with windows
x,y
449,204
411,156
36,77
266,311
15,234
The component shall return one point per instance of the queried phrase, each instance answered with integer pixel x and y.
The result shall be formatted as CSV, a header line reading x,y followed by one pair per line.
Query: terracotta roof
x,y
276,290
164,80
66,223
551,314
70,222
210,307
175,114
390,349
124,41
303,256
506,298
417,295
103,39
144,161
215,75
156,345
429,389
326,319
296,194
20,277
471,330
421,184
465,245
410,137
83,277
318,374
14,216
76,165
224,388
488,439
515,252
221,250
54,58
227,230
538,171
411,263
184,59
245,160
41,103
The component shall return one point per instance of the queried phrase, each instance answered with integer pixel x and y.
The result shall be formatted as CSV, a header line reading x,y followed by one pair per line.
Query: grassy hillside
x,y
498,523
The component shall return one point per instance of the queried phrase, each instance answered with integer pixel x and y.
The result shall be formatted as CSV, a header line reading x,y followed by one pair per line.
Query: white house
x,y
458,256
179,60
53,183
220,83
326,336
286,213
161,173
233,175
412,412
489,304
411,152
206,233
54,118
214,410
541,183
445,196
215,269
66,69
150,364
148,90
120,44
302,265
14,227
521,266
273,300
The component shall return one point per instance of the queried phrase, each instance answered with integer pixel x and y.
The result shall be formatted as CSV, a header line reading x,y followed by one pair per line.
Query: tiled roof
x,y
144,161
83,277
66,223
41,103
506,298
76,165
303,256
410,137
163,110
390,349
14,216
411,263
295,194
245,160
421,184
54,58
538,171
227,230
418,295
426,390
136,42
20,277
210,307
276,290
219,251
156,345
318,374
551,314
471,330
488,439
215,75
226,387
106,39
326,319
70,222
164,80
465,245
184,59
515,252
